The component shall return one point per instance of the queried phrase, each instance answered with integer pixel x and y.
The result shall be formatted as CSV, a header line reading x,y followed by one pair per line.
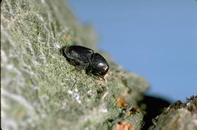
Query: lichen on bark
x,y
40,90
178,116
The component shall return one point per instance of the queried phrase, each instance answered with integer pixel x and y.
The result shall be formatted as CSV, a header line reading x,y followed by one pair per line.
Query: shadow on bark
x,y
154,106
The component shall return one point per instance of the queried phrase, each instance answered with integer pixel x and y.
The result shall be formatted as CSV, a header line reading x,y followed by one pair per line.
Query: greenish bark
x,y
40,90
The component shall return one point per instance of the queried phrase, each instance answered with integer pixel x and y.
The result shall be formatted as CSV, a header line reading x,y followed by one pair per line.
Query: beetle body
x,y
78,56
99,65
85,58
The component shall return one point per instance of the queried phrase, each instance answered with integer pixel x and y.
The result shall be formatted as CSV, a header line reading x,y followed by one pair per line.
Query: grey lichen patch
x,y
178,116
40,89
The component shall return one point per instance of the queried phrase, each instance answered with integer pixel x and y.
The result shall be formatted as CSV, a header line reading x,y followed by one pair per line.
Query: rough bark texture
x,y
178,116
41,91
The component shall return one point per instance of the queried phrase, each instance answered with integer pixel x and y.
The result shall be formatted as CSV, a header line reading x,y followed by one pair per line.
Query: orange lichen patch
x,y
67,37
121,102
124,126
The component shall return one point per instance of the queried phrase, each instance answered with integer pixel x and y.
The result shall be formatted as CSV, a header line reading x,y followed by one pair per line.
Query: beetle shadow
x,y
61,51
154,106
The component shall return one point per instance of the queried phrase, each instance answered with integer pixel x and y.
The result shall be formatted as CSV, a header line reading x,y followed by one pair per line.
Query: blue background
x,y
156,39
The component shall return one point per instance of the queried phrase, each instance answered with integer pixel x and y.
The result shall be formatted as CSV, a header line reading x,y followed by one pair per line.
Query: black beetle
x,y
85,58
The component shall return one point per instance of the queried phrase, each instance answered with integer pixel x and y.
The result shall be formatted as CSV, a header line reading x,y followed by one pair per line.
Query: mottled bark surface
x,y
178,116
41,91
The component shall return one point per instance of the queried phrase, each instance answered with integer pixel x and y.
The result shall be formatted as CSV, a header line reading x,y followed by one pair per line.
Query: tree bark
x,y
41,90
